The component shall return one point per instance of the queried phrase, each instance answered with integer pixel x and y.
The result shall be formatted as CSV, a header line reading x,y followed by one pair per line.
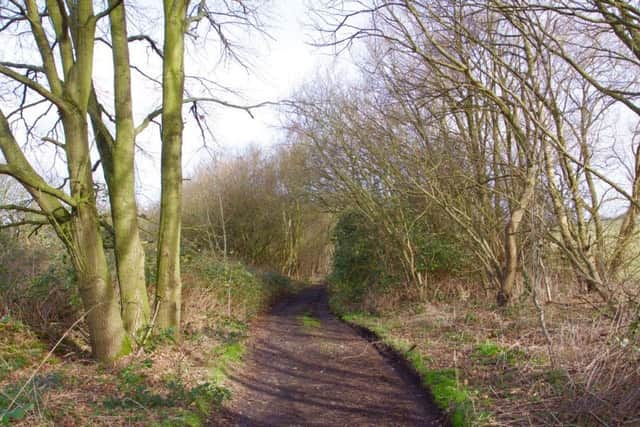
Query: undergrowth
x,y
166,383
177,402
494,368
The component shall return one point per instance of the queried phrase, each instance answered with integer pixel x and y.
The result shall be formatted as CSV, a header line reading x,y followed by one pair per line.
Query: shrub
x,y
37,283
356,262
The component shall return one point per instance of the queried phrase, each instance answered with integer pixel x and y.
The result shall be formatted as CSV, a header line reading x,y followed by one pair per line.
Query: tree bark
x,y
99,297
169,286
129,253
509,272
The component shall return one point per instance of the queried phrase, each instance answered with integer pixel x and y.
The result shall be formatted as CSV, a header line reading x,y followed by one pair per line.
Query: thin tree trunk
x,y
627,227
169,287
509,272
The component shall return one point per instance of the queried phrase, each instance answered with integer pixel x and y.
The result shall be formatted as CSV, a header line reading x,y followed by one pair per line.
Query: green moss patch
x,y
309,321
225,356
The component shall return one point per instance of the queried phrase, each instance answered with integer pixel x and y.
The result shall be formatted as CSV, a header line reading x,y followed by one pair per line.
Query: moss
x,y
233,353
126,347
488,349
224,356
308,321
450,395
489,352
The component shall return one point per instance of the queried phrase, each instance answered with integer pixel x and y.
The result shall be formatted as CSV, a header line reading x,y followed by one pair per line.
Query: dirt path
x,y
305,367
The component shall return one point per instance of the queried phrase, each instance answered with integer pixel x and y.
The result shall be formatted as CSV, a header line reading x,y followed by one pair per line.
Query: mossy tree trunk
x,y
118,163
98,293
169,286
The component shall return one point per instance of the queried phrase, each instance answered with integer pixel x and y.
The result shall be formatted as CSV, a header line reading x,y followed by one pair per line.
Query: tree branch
x,y
30,67
24,222
23,209
152,43
33,86
147,120
108,10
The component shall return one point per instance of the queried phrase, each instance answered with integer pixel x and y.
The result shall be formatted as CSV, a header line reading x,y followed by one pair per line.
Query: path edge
x,y
404,367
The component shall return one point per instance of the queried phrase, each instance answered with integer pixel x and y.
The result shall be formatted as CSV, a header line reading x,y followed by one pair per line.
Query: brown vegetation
x,y
256,207
583,372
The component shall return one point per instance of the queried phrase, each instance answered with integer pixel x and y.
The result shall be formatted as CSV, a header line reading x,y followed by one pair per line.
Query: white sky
x,y
279,64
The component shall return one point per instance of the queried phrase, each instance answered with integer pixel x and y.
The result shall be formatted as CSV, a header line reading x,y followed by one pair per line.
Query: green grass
x,y
225,356
490,353
308,321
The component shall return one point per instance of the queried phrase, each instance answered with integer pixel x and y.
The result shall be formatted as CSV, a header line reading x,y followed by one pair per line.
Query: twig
x,y
366,347
149,329
140,405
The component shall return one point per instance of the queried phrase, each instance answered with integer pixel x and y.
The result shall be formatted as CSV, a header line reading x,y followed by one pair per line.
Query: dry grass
x,y
70,392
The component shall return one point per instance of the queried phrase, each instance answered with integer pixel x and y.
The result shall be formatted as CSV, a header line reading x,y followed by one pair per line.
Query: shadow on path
x,y
321,374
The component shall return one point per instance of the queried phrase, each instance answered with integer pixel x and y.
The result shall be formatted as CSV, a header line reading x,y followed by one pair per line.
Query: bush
x,y
356,261
436,253
369,266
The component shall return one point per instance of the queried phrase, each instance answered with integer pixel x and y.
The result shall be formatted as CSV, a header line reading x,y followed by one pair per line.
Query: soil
x,y
305,367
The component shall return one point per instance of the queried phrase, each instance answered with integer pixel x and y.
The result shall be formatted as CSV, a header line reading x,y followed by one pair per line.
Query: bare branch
x,y
148,39
108,10
157,112
23,209
53,141
33,85
30,67
23,223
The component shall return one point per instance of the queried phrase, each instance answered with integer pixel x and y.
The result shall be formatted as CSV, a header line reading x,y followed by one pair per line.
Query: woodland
x,y
469,193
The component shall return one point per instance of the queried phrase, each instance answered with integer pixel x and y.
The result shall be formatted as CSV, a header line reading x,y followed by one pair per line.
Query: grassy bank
x,y
448,392
163,383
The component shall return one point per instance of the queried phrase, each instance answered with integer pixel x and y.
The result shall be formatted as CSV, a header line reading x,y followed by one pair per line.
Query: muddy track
x,y
305,367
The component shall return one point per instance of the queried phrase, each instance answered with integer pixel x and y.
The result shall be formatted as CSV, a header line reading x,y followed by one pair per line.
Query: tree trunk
x,y
509,272
129,253
169,286
627,227
99,297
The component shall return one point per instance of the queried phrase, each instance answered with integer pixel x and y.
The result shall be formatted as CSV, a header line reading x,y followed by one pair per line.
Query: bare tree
x,y
64,42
